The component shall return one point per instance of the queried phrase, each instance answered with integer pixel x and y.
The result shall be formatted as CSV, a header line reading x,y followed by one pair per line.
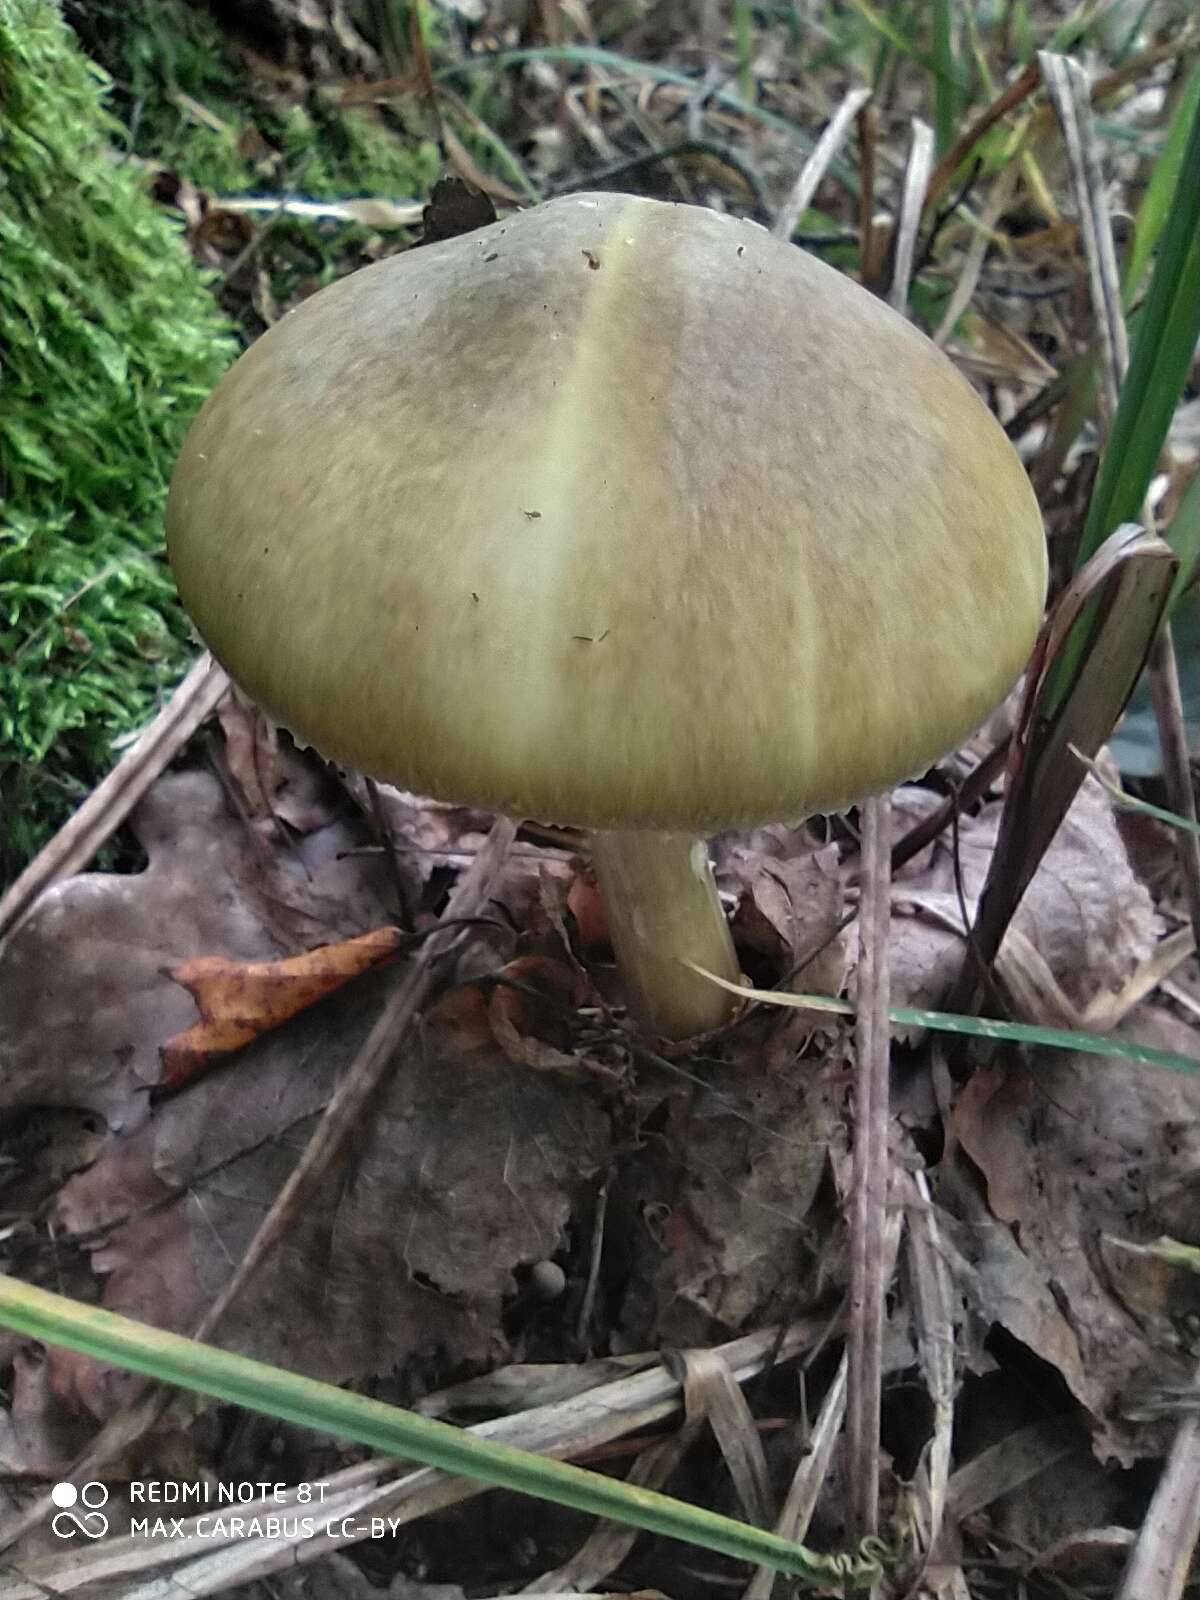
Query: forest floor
x,y
539,1201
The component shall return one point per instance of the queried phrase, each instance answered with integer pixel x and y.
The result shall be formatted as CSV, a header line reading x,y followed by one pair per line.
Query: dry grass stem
x,y
933,1302
1161,1558
916,181
869,1269
998,200
815,168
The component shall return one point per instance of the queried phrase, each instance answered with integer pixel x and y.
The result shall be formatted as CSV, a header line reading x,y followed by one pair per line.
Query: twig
x,y
1158,1565
868,126
1022,86
868,1268
106,808
965,794
593,1278
387,841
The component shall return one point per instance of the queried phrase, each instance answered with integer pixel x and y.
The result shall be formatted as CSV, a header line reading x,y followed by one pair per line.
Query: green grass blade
x,y
1130,802
1091,1044
287,1395
945,81
743,41
1159,362
1168,327
1160,192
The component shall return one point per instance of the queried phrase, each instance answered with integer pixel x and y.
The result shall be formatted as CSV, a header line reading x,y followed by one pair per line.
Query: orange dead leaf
x,y
239,1000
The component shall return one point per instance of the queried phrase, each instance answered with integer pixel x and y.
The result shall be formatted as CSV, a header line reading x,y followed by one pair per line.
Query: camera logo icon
x,y
89,1520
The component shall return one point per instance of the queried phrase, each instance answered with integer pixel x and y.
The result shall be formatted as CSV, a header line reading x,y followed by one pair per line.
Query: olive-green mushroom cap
x,y
616,513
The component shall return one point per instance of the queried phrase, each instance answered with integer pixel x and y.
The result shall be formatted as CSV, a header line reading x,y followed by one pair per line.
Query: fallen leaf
x,y
455,208
86,996
251,752
729,1236
464,1172
1075,1155
238,1001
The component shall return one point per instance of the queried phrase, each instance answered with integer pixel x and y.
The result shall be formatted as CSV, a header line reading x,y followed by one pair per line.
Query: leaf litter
x,y
518,1094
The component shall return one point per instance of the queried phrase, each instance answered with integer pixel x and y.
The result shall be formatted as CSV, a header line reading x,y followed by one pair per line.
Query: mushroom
x,y
615,513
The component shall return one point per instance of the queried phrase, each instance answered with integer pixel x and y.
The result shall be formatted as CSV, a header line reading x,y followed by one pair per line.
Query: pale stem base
x,y
663,909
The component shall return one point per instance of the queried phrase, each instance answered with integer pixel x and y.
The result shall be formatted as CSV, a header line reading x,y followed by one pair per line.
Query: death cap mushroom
x,y
616,513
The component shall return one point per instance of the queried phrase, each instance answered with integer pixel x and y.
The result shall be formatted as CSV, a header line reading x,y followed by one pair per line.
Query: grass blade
x,y
1164,180
1091,1044
277,1393
1167,331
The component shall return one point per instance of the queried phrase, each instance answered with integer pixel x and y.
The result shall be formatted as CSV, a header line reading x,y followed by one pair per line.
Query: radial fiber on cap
x,y
616,513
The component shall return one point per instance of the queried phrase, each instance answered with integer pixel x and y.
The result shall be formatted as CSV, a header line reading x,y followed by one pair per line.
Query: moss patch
x,y
111,339
110,342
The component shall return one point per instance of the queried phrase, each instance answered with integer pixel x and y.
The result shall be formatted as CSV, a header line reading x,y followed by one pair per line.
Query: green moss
x,y
110,342
111,339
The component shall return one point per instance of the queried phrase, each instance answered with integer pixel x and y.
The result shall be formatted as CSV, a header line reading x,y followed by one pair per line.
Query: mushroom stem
x,y
663,910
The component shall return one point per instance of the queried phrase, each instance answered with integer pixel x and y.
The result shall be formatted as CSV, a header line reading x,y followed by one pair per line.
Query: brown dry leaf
x,y
455,208
1086,911
728,1233
86,996
1076,1154
586,905
39,1433
466,1170
239,1000
789,908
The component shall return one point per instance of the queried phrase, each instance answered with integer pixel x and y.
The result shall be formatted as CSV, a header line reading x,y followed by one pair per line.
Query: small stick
x,y
593,1280
1022,86
868,128
868,1257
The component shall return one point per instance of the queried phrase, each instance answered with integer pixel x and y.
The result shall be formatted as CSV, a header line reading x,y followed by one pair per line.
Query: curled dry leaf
x,y
533,1032
788,908
239,1000
251,752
